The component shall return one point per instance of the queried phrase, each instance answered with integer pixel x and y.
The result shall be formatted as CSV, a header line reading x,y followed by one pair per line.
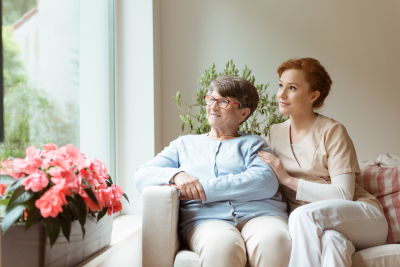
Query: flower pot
x,y
32,248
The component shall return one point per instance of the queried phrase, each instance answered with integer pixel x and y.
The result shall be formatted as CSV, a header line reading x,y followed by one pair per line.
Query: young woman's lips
x,y
283,104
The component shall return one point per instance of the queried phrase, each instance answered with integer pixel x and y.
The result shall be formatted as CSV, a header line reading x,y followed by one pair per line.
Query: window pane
x,y
41,44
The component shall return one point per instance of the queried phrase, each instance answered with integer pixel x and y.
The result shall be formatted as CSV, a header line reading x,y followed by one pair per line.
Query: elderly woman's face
x,y
227,118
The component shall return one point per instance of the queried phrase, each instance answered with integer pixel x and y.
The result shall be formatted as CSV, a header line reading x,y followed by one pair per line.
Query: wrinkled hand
x,y
276,165
190,187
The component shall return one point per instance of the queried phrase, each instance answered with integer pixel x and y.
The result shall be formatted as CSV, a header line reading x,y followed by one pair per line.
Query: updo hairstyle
x,y
315,74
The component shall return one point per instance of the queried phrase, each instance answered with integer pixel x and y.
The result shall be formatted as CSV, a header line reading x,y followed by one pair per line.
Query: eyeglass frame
x,y
216,99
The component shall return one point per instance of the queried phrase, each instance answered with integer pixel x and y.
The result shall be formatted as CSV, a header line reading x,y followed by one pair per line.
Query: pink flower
x,y
36,181
49,204
112,194
50,147
7,168
90,203
3,189
112,197
100,169
72,153
115,208
68,179
61,161
31,162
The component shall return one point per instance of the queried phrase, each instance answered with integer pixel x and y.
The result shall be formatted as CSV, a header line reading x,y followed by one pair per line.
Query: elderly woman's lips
x,y
215,115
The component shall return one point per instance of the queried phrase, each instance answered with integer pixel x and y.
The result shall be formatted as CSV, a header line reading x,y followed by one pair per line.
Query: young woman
x,y
315,161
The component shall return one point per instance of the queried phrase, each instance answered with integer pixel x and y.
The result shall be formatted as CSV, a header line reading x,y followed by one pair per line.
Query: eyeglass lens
x,y
222,102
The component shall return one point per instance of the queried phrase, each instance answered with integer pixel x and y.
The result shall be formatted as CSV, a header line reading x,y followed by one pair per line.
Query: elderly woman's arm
x,y
257,182
159,170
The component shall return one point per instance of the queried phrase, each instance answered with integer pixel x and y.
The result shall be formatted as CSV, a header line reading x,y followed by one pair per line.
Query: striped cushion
x,y
383,183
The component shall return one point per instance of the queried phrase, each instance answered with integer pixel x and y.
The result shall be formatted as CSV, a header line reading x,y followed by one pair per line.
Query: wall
x,y
138,107
357,41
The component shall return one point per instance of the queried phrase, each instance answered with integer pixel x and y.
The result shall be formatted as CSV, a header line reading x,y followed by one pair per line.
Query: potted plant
x,y
258,123
51,191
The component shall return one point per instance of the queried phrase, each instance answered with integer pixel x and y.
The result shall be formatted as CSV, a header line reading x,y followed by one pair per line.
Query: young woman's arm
x,y
342,187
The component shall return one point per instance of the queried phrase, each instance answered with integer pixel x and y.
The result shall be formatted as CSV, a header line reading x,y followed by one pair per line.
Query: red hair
x,y
315,74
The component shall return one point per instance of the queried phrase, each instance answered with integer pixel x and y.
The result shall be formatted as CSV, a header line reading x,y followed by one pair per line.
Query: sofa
x,y
161,245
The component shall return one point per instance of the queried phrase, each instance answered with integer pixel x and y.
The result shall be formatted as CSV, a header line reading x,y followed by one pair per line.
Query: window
x,y
58,76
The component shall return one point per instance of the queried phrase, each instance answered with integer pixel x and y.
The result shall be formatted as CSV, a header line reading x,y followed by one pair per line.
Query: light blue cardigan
x,y
238,185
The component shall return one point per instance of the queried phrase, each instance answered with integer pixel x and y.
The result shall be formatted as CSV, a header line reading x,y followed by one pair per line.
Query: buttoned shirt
x,y
238,185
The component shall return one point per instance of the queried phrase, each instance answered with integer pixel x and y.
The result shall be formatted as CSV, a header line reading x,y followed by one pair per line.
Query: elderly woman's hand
x,y
190,187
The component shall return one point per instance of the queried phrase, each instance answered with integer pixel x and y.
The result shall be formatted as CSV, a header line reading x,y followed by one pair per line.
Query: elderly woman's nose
x,y
215,105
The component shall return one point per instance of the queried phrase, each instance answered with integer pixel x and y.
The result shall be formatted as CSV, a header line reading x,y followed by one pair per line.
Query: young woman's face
x,y
294,95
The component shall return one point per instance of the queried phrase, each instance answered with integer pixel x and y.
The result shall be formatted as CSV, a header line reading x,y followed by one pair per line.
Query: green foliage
x,y
14,9
31,117
258,123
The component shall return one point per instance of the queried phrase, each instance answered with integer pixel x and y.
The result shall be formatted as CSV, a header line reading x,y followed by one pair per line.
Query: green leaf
x,y
6,179
73,207
101,213
65,221
83,231
11,216
110,180
126,197
19,196
86,182
81,208
52,228
33,216
13,186
90,193
183,127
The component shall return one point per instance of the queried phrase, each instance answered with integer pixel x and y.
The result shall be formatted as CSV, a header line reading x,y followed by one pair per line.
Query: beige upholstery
x,y
160,211
386,255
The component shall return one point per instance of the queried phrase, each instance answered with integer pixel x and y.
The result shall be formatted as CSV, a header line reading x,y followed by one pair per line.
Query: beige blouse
x,y
327,151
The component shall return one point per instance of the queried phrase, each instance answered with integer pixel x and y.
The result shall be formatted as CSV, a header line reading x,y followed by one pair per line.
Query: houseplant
x,y
258,123
56,186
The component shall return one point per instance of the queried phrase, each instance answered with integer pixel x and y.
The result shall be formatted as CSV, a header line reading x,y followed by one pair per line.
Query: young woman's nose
x,y
282,93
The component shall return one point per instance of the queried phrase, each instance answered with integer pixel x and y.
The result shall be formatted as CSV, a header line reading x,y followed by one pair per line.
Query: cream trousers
x,y
266,240
327,233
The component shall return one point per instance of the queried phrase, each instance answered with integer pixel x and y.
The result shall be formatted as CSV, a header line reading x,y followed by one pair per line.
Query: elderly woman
x,y
229,203
316,162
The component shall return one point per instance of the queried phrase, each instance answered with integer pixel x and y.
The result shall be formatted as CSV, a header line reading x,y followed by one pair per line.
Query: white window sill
x,y
125,229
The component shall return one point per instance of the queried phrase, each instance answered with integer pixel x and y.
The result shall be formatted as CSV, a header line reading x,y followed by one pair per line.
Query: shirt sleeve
x,y
342,156
159,170
342,187
257,182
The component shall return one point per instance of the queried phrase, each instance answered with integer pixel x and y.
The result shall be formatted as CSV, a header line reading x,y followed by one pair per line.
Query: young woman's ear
x,y
315,95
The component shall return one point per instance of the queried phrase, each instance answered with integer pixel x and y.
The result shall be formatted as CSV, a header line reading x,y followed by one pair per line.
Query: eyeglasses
x,y
222,102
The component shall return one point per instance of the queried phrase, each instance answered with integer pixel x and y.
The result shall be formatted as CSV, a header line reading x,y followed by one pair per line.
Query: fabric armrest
x,y
160,213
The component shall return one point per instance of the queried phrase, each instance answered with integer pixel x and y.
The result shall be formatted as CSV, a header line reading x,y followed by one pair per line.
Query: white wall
x,y
357,41
138,92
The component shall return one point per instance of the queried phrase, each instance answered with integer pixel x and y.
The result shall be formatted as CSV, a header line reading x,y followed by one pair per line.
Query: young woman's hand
x,y
283,177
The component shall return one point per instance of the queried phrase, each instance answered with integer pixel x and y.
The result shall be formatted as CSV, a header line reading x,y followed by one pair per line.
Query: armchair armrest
x,y
160,213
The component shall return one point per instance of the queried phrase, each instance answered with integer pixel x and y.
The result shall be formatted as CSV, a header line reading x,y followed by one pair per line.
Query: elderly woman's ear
x,y
244,113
